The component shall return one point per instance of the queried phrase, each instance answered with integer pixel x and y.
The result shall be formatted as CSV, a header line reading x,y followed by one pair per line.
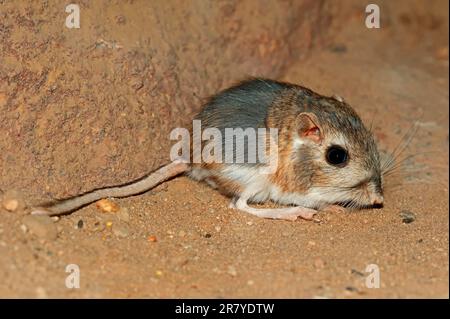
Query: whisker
x,y
373,120
402,145
400,163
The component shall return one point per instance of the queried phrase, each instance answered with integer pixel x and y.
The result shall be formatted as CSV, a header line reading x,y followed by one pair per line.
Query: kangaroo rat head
x,y
333,153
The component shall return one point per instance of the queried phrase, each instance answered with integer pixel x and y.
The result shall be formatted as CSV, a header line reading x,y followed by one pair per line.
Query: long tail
x,y
144,184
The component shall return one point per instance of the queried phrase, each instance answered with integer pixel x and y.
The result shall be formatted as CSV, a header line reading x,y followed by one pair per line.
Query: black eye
x,y
337,156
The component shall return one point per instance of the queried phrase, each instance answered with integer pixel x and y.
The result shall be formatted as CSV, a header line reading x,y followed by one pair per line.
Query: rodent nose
x,y
378,200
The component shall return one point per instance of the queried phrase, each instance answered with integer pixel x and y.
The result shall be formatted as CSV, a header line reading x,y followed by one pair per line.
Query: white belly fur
x,y
259,186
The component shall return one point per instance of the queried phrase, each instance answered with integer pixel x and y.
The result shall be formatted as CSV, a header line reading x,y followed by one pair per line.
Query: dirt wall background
x,y
94,106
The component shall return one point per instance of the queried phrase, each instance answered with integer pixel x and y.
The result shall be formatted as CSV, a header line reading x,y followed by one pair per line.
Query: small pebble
x,y
13,201
407,216
107,206
232,271
159,273
41,225
152,239
80,224
11,204
182,233
207,235
23,228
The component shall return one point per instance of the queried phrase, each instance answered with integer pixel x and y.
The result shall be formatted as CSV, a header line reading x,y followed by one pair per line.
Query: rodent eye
x,y
337,156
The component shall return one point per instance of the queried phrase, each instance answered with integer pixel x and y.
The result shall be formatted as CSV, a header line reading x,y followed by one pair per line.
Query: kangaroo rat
x,y
326,156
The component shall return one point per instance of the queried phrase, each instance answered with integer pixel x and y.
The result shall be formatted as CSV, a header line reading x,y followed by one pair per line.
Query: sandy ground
x,y
182,240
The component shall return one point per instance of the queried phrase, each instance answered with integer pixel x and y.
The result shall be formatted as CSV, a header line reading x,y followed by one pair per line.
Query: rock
x,y
79,224
407,216
232,271
120,230
107,206
13,201
23,228
11,204
41,225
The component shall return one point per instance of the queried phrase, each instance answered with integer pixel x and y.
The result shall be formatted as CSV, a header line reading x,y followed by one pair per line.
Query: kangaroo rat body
x,y
325,155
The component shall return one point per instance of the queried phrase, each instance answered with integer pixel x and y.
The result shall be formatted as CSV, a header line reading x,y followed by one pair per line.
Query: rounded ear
x,y
307,125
